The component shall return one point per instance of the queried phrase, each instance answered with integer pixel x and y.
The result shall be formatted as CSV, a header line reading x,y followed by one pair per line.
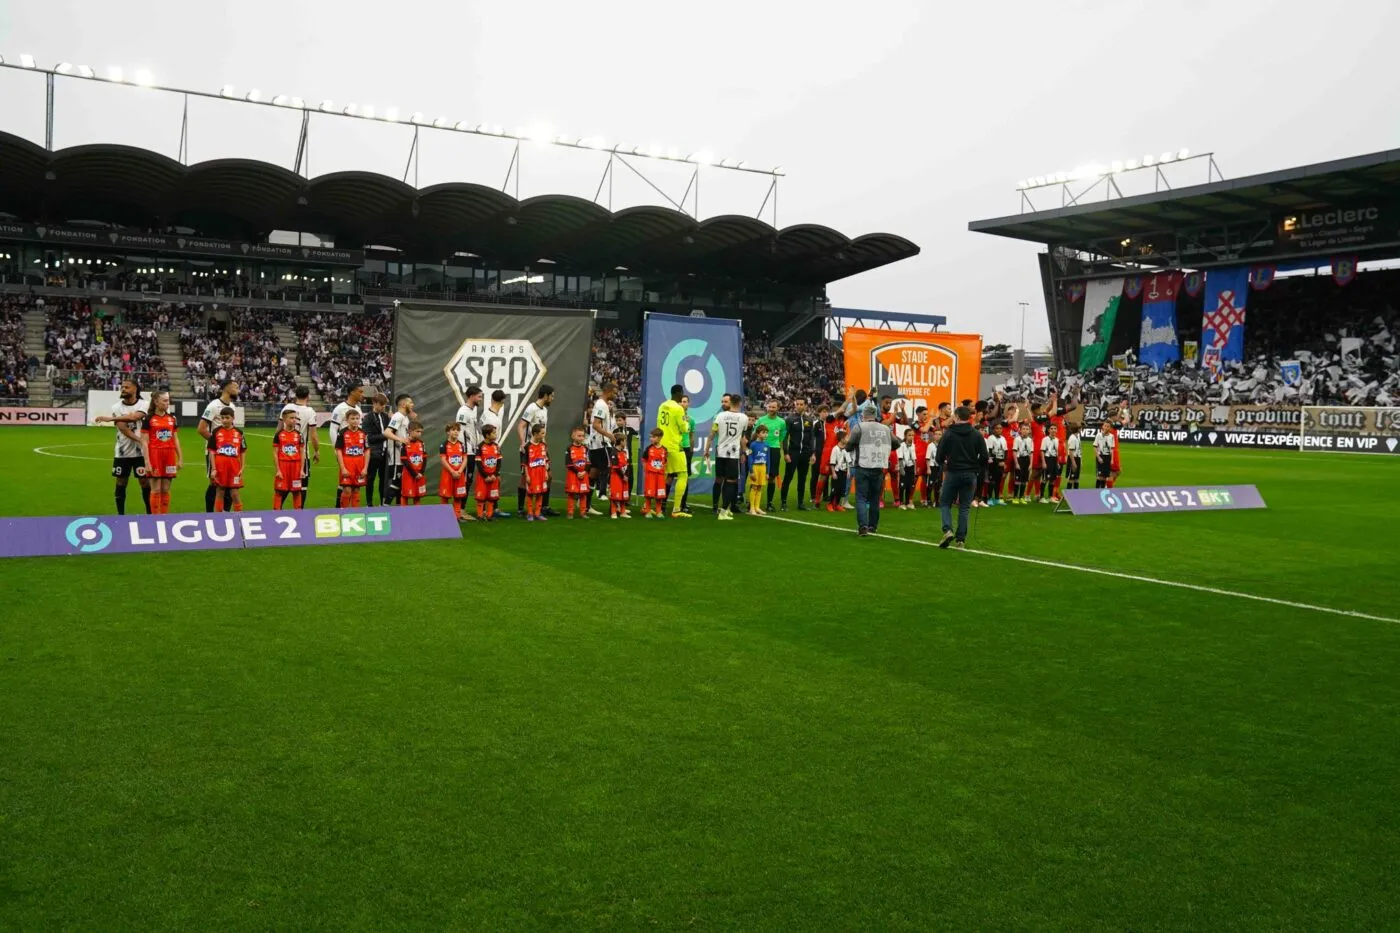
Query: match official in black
x,y
374,425
800,448
962,453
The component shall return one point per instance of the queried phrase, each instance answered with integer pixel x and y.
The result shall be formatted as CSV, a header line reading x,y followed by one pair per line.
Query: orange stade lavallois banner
x,y
925,369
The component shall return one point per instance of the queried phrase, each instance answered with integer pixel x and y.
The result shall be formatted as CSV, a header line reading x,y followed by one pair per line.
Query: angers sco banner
x,y
926,369
439,353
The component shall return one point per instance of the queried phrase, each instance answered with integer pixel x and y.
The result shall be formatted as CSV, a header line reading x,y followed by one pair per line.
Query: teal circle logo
x,y
1110,500
703,379
87,535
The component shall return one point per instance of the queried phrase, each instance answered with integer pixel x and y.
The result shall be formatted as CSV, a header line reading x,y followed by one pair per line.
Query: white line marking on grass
x,y
44,451
1195,587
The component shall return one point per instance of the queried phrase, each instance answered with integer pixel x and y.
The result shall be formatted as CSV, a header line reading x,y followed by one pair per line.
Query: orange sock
x,y
238,506
219,501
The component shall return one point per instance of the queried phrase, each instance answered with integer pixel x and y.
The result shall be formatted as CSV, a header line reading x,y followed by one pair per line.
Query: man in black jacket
x,y
963,454
374,425
800,448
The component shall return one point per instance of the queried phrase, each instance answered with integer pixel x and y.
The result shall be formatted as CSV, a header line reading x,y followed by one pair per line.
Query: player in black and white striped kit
x,y
127,456
395,437
469,417
601,437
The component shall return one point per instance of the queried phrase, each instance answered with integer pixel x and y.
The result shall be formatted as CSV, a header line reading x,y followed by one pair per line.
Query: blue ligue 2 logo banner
x,y
139,534
706,356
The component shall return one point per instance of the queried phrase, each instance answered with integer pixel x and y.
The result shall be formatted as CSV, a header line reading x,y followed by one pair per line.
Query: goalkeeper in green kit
x,y
671,419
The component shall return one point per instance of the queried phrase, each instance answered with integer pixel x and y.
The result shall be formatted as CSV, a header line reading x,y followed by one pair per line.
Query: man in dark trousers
x,y
804,438
963,454
375,423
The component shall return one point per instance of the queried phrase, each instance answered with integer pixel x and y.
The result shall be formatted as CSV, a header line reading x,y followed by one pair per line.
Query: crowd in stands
x,y
1344,339
14,366
87,347
243,348
338,349
617,357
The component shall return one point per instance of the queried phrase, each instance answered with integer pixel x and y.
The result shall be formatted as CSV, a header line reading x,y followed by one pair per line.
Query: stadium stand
x,y
14,362
340,349
244,349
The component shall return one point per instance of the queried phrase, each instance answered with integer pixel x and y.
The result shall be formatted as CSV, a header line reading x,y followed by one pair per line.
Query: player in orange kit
x,y
576,488
452,485
288,457
654,476
227,450
352,453
161,447
536,474
488,474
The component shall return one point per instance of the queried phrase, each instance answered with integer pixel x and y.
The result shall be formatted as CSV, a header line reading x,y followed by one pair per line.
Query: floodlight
x,y
143,78
440,122
297,103
703,157
350,110
1130,165
279,100
672,154
654,151
85,72
1020,184
1061,177
416,118
1166,157
254,95
724,163
327,106
595,142
391,114
496,130
225,91
1183,154
1117,166
540,133
64,68
26,61
742,165
368,112
462,126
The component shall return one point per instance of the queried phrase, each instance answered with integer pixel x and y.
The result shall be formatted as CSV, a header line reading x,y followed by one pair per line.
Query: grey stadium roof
x,y
1232,203
246,199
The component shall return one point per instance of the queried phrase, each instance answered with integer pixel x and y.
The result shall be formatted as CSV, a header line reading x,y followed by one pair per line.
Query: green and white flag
x,y
1101,300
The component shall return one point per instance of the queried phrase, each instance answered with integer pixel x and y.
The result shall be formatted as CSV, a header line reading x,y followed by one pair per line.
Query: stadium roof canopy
x,y
1221,222
246,199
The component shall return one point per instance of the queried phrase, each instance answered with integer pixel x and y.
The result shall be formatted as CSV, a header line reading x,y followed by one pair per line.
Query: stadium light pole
x,y
143,79
1024,305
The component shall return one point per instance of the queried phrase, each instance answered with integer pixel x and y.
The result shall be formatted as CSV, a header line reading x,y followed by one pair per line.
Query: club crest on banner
x,y
1261,277
1291,371
1132,286
1189,349
1211,362
1343,269
512,366
1074,291
926,369
1193,283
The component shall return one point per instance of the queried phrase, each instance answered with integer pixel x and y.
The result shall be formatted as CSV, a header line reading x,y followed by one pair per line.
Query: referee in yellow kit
x,y
670,418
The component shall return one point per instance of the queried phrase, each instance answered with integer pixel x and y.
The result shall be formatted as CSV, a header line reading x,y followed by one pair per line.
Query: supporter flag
x,y
1189,349
1261,277
1133,286
703,354
1344,269
1194,282
1074,291
1101,300
1291,371
1157,345
1222,324
1040,378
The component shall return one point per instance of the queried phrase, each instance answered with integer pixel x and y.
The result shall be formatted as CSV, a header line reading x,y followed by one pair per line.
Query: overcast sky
x,y
905,117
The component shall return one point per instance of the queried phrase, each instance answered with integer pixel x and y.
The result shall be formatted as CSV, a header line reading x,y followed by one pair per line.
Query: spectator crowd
x,y
340,349
246,350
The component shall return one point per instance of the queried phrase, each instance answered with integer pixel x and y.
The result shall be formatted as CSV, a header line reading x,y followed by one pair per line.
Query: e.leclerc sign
x,y
141,534
1139,500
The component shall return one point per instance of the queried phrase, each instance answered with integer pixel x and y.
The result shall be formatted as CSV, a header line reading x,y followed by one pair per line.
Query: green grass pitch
x,y
744,726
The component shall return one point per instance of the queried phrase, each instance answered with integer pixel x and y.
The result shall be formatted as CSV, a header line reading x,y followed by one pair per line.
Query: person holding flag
x,y
671,420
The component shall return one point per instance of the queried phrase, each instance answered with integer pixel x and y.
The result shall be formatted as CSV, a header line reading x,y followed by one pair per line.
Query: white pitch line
x,y
44,451
1195,587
